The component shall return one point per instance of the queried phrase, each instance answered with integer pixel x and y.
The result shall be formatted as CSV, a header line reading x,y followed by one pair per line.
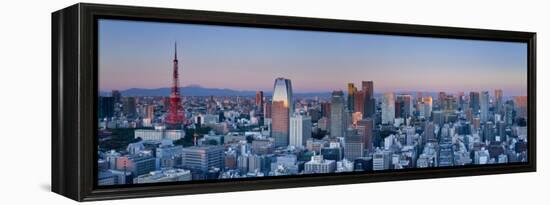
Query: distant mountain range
x,y
196,90
202,91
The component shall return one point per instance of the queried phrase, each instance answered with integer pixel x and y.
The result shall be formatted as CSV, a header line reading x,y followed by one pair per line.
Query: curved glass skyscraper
x,y
282,108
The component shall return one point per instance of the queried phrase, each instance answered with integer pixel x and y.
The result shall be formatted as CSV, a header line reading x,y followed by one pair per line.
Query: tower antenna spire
x,y
175,50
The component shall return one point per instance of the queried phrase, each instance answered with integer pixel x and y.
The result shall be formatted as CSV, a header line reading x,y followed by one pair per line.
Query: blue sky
x,y
135,54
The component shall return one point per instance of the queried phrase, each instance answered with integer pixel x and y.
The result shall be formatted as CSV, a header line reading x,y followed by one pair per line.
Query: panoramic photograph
x,y
186,102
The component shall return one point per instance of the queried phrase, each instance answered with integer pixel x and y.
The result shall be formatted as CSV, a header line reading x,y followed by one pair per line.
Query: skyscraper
x,y
300,130
359,102
129,107
509,112
405,106
429,132
489,132
116,95
501,130
282,108
267,109
449,104
469,114
474,102
399,109
441,99
438,117
259,100
150,112
354,145
388,108
106,107
498,100
325,109
484,106
460,100
425,107
370,106
337,126
365,128
351,96
521,106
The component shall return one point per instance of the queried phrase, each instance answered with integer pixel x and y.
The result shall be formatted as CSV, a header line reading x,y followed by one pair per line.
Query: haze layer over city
x,y
183,102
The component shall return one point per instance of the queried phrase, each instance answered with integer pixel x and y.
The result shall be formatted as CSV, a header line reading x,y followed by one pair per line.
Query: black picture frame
x,y
74,98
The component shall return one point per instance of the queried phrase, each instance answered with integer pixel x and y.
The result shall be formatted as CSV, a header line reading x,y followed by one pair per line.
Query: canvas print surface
x,y
185,102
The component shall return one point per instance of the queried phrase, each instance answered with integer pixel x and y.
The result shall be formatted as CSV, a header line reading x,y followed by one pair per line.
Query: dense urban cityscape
x,y
152,139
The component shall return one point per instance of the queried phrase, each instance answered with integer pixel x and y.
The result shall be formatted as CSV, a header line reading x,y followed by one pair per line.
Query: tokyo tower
x,y
176,117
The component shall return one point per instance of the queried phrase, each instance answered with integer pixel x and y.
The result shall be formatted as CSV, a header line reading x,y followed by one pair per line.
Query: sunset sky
x,y
134,54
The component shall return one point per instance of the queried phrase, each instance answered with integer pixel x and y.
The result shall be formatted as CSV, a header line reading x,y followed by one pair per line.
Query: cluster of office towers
x,y
289,127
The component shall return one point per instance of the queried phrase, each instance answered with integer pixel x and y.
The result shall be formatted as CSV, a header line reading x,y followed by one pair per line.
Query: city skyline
x,y
272,132
335,60
269,92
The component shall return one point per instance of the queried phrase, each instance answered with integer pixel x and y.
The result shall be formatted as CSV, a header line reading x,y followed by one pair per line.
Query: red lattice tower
x,y
175,118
